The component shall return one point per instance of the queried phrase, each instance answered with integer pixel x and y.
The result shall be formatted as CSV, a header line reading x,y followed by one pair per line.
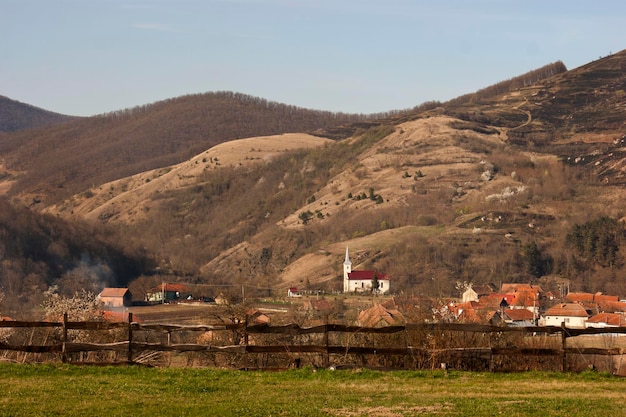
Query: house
x,y
479,316
603,320
579,297
293,292
115,298
475,292
470,295
363,280
495,301
572,315
526,300
518,317
612,306
598,301
484,289
473,312
167,292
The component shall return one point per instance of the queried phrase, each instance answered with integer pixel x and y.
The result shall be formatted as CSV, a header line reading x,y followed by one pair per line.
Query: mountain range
x,y
519,182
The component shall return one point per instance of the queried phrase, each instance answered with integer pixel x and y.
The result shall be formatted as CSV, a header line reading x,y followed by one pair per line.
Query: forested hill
x,y
15,116
61,160
39,252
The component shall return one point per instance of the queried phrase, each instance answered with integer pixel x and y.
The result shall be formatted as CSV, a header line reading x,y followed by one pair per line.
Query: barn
x,y
115,298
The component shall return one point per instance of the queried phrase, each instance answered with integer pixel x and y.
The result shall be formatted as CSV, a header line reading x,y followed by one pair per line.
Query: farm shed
x,y
115,298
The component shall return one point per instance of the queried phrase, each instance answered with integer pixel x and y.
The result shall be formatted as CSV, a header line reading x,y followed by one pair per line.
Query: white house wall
x,y
363,285
570,322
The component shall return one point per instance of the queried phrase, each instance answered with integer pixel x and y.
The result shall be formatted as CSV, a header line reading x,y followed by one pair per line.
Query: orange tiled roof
x,y
114,292
579,297
519,314
567,309
511,288
524,298
611,319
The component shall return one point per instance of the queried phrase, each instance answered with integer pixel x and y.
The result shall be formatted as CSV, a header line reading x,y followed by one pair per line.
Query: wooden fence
x,y
411,346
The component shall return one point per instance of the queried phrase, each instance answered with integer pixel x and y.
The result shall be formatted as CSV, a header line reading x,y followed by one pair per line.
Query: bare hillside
x,y
128,200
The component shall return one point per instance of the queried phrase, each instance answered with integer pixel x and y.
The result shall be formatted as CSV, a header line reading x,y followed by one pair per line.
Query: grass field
x,y
64,390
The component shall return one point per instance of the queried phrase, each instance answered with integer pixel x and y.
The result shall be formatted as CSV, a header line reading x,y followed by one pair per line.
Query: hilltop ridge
x,y
16,116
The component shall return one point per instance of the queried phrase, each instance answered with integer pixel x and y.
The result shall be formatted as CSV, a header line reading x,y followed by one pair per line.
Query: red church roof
x,y
366,275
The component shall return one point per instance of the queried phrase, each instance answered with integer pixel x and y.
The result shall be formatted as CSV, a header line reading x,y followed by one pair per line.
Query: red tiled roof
x,y
612,306
494,300
577,297
567,309
506,288
612,319
598,298
519,314
475,316
366,275
524,298
114,292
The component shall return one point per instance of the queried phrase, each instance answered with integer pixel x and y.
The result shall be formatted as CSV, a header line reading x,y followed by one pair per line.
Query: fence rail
x,y
416,345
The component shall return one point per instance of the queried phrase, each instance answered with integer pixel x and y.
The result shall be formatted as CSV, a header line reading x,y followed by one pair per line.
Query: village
x,y
369,293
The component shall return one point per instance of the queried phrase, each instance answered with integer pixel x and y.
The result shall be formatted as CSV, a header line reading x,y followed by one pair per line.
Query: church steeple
x,y
347,261
347,268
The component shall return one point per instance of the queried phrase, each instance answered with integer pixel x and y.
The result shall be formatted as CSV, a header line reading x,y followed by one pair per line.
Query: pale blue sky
x,y
85,57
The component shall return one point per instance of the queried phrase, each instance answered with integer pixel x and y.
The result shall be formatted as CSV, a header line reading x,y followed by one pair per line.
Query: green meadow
x,y
66,390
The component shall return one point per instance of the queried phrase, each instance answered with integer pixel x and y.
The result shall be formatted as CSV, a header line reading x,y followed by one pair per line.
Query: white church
x,y
361,280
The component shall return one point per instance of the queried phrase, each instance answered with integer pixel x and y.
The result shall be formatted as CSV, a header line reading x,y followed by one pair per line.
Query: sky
x,y
87,57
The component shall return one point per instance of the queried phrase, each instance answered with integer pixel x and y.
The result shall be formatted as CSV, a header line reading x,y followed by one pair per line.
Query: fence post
x,y
326,361
406,348
563,345
245,341
130,338
63,346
